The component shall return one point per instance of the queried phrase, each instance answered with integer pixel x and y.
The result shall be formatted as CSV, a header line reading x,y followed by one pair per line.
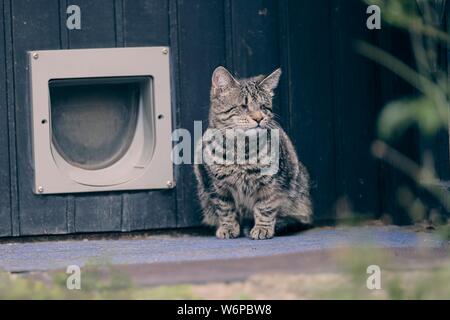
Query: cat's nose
x,y
257,116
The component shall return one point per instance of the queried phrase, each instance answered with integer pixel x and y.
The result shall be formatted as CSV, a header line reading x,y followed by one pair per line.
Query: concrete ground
x,y
154,259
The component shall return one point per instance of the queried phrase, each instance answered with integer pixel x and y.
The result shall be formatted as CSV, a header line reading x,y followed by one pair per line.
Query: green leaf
x,y
399,115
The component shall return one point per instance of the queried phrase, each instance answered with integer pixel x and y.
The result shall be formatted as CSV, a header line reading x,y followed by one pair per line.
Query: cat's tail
x,y
303,211
298,212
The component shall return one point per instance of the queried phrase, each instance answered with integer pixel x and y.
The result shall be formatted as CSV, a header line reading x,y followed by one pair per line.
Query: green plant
x,y
428,109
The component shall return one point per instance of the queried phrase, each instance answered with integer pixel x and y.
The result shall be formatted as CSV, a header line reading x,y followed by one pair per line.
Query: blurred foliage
x,y
406,14
397,283
350,283
97,283
399,115
427,111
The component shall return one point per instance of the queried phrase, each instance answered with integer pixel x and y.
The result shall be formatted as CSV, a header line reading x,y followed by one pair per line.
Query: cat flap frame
x,y
146,164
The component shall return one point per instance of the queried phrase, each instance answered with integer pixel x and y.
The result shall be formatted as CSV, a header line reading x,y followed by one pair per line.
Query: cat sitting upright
x,y
232,192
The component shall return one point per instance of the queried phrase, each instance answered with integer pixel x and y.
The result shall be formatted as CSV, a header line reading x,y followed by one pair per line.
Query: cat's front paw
x,y
228,232
261,233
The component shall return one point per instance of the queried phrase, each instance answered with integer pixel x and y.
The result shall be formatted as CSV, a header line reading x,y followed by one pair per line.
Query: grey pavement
x,y
163,249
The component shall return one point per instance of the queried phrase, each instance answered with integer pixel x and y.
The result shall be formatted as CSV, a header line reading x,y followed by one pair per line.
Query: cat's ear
x,y
222,79
270,82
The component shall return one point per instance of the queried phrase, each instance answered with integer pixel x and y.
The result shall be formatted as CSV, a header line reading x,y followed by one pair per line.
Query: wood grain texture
x,y
11,116
255,34
98,211
146,23
392,87
98,29
5,196
255,44
201,48
332,106
355,110
35,26
311,100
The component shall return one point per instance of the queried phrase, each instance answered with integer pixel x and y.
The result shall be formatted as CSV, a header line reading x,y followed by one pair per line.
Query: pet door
x,y
101,119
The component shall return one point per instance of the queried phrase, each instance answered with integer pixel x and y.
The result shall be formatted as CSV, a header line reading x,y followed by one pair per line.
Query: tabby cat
x,y
232,194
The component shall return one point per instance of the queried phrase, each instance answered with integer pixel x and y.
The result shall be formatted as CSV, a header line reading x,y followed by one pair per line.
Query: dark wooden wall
x,y
5,173
34,25
331,103
326,98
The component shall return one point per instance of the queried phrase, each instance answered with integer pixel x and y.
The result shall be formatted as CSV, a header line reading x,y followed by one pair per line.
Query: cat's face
x,y
242,104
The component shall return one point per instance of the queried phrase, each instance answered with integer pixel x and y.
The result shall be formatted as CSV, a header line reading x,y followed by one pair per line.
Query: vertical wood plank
x,y
392,87
284,96
5,194
96,212
146,23
255,39
228,21
11,117
64,44
354,82
201,48
35,26
311,98
149,210
254,26
97,25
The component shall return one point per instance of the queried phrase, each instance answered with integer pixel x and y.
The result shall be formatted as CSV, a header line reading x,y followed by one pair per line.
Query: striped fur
x,y
230,193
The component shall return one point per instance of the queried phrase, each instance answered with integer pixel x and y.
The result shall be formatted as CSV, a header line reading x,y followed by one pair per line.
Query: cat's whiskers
x,y
273,192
